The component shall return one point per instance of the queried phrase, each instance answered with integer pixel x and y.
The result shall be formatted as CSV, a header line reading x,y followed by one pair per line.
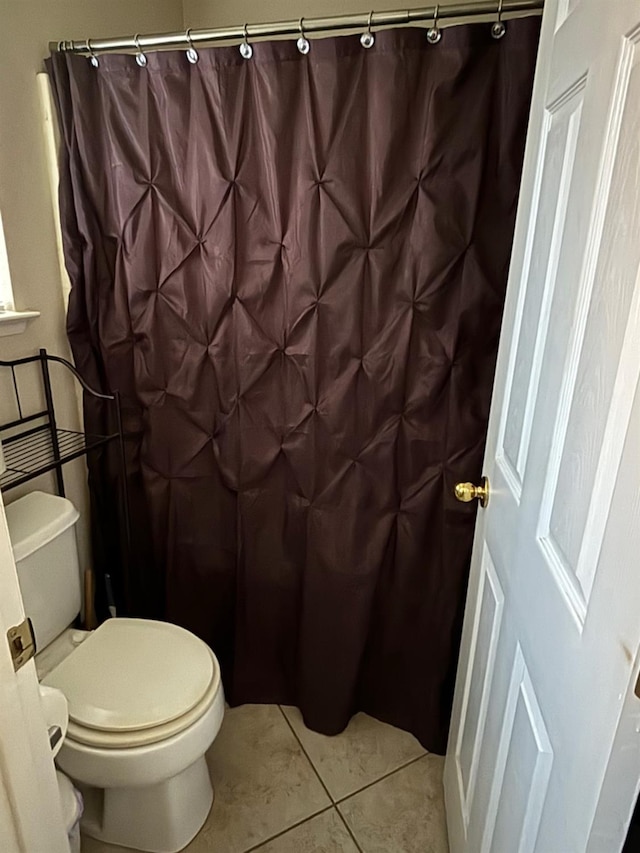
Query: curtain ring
x,y
246,51
191,52
367,39
93,59
434,33
141,59
498,28
302,43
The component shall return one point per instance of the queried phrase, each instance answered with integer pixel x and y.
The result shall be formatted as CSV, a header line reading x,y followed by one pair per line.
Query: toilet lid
x,y
133,674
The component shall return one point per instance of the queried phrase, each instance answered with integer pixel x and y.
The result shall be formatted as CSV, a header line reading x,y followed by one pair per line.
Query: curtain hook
x,y
93,59
141,59
303,43
191,52
498,28
246,51
434,33
367,39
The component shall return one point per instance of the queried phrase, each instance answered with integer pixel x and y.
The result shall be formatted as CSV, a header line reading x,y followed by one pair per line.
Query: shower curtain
x,y
292,268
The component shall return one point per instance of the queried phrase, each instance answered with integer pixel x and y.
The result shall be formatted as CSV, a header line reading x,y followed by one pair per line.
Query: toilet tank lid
x,y
36,519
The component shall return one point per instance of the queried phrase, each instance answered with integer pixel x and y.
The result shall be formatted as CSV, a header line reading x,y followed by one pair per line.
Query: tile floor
x,y
280,788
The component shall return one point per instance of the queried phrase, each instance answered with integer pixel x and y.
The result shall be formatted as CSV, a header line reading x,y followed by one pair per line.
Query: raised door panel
x,y
590,417
523,767
553,187
478,682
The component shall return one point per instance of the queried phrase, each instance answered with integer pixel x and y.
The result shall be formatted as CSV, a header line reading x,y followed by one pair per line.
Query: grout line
x,y
349,830
357,791
307,756
380,779
288,829
336,803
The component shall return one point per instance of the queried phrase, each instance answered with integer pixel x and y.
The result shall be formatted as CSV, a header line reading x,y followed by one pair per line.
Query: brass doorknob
x,y
466,492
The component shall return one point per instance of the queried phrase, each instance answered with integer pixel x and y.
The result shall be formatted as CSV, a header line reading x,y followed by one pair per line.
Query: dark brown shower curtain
x,y
293,269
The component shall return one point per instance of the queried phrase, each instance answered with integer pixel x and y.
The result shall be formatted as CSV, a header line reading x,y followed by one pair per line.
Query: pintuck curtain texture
x,y
293,269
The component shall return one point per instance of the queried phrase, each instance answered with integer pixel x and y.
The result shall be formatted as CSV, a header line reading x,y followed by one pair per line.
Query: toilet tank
x,y
43,536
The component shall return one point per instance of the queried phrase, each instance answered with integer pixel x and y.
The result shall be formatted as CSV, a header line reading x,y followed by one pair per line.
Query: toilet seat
x,y
135,682
147,736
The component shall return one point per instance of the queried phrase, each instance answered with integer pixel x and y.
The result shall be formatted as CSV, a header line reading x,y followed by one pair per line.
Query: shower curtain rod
x,y
447,15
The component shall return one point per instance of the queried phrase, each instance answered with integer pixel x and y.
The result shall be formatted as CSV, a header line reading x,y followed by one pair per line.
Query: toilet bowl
x,y
145,697
145,703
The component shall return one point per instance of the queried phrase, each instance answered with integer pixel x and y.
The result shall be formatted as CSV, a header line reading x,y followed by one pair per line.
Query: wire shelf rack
x,y
39,450
34,444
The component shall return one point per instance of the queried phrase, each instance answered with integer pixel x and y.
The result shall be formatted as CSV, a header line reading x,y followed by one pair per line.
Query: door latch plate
x,y
22,643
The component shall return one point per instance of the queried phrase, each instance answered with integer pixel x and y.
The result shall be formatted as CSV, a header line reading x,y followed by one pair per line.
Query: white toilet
x,y
145,698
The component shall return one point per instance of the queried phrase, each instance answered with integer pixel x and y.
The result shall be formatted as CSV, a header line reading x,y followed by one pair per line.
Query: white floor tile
x,y
363,753
263,782
325,833
403,813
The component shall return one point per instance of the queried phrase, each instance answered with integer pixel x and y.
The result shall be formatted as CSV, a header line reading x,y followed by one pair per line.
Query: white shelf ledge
x,y
15,322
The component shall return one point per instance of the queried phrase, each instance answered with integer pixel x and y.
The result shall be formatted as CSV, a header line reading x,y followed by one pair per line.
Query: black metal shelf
x,y
34,452
33,444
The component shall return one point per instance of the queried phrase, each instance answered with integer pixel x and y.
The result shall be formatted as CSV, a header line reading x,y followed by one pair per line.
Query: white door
x,y
544,751
30,813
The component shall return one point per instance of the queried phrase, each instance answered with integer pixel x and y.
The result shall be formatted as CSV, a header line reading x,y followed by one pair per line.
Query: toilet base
x,y
161,818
